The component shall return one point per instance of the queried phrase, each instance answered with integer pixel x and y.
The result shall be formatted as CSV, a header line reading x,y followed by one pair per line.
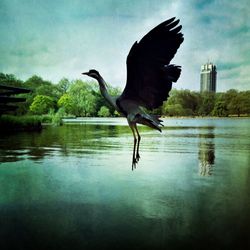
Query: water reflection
x,y
206,153
69,139
81,191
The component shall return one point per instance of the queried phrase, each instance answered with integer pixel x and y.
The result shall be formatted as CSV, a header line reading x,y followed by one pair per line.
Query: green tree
x,y
231,94
246,97
207,103
220,109
42,104
38,87
240,104
48,90
10,80
174,110
63,86
104,112
181,102
35,81
83,99
66,101
220,105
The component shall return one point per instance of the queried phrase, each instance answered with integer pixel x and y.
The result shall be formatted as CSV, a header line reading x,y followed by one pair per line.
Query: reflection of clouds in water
x,y
206,154
89,136
98,198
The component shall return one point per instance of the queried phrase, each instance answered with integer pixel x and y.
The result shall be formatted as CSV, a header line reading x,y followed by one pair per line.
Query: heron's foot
x,y
134,162
137,157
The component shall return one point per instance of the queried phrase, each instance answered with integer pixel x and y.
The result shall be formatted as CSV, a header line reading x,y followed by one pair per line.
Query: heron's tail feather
x,y
173,72
152,121
156,119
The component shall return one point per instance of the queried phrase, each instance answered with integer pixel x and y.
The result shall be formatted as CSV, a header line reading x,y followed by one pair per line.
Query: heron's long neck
x,y
104,91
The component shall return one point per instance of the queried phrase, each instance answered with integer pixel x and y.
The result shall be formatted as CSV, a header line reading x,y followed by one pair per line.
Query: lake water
x,y
72,187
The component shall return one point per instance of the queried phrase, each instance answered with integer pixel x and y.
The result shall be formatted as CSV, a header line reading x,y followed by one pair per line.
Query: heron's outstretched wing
x,y
149,75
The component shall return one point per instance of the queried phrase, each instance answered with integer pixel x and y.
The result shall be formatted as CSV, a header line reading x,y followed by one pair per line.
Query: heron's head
x,y
92,73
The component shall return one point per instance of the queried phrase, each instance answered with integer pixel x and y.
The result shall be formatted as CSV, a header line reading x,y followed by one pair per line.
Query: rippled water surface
x,y
72,187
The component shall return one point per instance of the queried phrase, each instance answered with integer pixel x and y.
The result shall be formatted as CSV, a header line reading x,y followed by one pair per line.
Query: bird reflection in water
x,y
206,153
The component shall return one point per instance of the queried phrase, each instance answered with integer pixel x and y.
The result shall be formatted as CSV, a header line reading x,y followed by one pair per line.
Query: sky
x,y
62,38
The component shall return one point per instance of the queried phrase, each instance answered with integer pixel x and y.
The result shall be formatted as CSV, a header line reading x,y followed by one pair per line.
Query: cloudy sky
x,y
62,38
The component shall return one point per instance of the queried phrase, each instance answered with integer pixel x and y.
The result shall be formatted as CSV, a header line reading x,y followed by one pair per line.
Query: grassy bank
x,y
28,122
20,123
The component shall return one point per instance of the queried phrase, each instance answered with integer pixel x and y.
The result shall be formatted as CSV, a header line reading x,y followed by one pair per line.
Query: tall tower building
x,y
208,77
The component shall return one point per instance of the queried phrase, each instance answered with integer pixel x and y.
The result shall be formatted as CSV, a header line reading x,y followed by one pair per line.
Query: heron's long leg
x,y
138,144
132,126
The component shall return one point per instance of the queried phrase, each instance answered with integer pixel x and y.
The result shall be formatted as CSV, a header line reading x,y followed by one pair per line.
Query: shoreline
x,y
24,124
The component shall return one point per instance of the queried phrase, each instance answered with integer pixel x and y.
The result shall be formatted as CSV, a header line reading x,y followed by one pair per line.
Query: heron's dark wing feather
x,y
149,75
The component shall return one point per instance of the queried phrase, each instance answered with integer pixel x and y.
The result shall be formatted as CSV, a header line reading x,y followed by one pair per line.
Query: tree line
x,y
82,98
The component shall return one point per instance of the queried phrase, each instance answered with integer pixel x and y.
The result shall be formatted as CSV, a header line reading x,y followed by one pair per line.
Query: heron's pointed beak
x,y
85,73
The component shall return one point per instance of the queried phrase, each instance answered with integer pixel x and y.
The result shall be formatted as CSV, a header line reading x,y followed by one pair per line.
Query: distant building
x,y
208,77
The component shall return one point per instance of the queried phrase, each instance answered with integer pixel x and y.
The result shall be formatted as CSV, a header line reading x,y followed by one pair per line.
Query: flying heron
x,y
149,79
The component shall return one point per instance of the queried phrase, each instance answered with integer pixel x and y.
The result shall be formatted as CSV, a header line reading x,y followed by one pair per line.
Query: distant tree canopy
x,y
10,80
186,103
80,98
181,102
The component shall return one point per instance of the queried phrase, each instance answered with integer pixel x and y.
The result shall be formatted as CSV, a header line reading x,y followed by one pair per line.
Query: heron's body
x,y
149,78
129,108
